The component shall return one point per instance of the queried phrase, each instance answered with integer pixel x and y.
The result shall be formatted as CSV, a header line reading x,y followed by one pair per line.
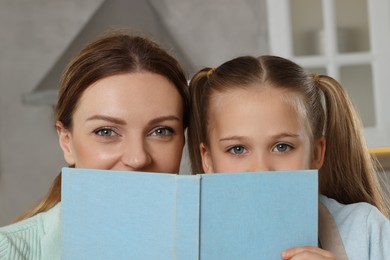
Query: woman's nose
x,y
136,156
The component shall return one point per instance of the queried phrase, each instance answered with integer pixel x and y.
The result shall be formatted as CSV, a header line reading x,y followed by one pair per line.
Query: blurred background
x,y
347,39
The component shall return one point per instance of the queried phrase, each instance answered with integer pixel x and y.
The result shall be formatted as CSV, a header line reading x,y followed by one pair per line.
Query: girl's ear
x,y
64,138
319,153
207,162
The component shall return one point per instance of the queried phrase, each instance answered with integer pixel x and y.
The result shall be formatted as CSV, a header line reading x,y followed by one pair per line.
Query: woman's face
x,y
130,122
255,129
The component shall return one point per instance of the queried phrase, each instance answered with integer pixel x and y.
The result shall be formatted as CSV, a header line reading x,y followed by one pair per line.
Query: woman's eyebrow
x,y
122,122
163,118
107,118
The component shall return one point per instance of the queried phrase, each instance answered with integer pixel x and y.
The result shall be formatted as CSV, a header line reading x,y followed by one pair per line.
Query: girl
x,y
268,114
123,105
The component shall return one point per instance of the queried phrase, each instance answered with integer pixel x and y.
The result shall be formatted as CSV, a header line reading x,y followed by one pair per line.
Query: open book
x,y
138,215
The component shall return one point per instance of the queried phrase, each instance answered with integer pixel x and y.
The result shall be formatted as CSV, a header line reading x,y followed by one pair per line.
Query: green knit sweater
x,y
38,237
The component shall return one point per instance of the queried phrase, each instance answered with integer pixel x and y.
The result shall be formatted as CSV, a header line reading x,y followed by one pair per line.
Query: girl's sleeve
x,y
379,235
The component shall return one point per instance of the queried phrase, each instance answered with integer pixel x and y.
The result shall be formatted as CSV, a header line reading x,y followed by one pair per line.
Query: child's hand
x,y
307,252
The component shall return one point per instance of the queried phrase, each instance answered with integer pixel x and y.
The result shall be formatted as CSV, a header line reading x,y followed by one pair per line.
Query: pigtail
x,y
349,173
195,131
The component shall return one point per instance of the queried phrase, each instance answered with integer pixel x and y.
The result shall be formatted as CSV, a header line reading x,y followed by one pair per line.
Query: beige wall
x,y
34,33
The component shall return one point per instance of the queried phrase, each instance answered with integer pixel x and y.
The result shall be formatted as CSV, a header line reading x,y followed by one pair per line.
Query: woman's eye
x,y
162,131
237,150
282,148
106,132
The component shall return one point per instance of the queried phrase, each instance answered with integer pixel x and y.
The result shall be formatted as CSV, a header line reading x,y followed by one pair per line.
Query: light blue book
x,y
138,215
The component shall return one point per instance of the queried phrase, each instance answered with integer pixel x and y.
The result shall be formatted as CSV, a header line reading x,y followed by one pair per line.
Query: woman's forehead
x,y
139,93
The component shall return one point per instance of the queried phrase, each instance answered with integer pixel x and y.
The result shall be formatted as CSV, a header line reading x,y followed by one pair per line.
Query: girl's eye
x,y
282,148
162,131
106,132
237,150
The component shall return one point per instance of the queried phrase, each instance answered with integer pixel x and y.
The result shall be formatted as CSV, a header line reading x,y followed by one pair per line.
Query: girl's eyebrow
x,y
243,138
233,138
288,134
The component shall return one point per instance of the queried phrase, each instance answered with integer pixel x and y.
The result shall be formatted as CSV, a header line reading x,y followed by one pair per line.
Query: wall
x,y
34,33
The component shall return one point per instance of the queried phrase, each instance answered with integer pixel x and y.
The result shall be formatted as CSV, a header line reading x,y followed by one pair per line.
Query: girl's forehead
x,y
271,100
255,90
260,95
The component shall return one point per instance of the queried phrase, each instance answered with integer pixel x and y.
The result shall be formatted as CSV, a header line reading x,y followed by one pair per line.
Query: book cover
x,y
139,215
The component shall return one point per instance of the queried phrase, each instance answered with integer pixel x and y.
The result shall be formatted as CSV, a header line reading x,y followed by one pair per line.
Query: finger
x,y
310,251
305,255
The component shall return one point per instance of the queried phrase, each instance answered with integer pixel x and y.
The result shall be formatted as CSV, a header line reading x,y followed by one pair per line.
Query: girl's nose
x,y
261,164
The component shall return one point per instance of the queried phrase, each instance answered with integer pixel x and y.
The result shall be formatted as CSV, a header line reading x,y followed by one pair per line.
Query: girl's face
x,y
255,129
130,122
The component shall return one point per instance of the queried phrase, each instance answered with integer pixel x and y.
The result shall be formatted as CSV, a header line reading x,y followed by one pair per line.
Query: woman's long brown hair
x,y
117,52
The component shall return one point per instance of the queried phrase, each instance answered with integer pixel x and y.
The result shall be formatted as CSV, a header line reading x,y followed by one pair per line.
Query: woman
x,y
122,105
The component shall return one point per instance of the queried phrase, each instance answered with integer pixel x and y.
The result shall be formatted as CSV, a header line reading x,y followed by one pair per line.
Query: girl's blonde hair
x,y
116,52
349,174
